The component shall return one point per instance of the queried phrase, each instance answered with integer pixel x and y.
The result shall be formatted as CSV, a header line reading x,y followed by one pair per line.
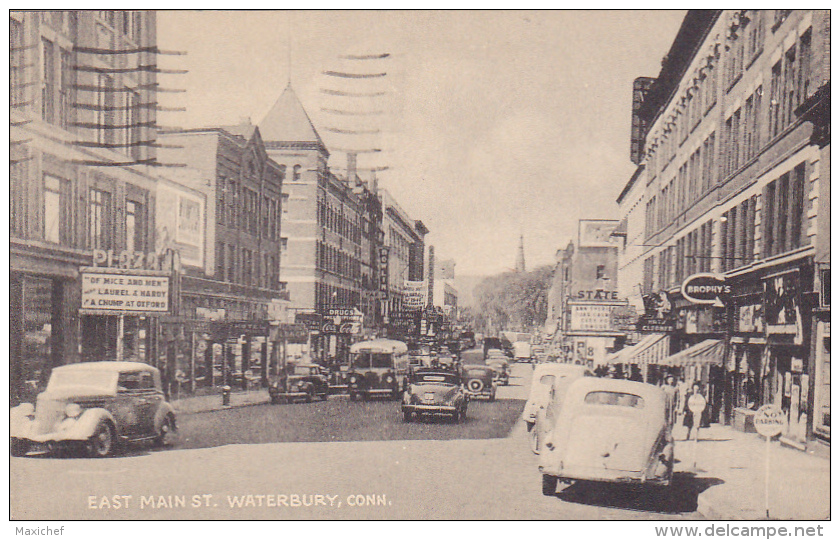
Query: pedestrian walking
x,y
688,418
671,396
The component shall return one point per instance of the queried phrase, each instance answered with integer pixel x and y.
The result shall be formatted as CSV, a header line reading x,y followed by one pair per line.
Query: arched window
x,y
296,174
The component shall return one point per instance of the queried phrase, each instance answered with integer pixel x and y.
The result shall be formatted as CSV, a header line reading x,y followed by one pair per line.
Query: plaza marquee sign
x,y
706,288
116,292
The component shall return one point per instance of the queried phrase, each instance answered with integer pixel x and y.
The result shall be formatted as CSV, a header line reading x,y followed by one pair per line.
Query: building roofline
x,y
630,183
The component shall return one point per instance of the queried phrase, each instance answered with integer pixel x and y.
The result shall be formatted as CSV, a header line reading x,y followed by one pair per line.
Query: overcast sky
x,y
491,124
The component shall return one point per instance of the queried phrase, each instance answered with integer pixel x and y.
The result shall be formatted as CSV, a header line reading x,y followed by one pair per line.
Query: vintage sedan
x,y
548,389
609,430
304,381
435,392
479,381
502,370
94,407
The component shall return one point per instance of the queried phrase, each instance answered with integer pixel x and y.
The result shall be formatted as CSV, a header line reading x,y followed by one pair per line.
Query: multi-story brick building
x,y
82,115
731,182
405,243
243,189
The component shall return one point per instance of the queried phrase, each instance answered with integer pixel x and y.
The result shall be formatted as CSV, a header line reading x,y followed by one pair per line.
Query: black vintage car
x,y
304,381
435,392
479,381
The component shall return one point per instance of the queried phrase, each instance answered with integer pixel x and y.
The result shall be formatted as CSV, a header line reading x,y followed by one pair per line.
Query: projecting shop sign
x,y
116,292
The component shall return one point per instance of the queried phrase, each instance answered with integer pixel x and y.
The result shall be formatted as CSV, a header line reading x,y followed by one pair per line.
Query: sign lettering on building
x,y
122,292
383,269
312,321
591,317
413,295
706,288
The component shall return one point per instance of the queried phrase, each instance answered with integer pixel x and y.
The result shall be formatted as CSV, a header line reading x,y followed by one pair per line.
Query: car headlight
x,y
72,410
389,379
352,379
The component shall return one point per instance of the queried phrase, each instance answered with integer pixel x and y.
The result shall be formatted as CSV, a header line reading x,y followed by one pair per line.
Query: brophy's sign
x,y
121,292
706,288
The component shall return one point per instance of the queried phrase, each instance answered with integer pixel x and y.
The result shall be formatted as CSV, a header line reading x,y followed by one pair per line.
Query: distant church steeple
x,y
520,256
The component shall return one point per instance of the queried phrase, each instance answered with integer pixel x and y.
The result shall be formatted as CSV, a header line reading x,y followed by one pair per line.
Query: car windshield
x,y
303,370
372,360
436,378
620,399
101,380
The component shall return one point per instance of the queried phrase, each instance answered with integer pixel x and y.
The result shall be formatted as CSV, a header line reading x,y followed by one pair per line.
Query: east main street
x,y
365,463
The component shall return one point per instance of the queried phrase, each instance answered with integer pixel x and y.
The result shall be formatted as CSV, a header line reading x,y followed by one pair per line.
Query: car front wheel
x,y
549,485
406,416
101,443
166,432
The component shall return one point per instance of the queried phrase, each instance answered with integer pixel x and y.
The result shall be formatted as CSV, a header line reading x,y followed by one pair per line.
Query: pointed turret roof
x,y
287,122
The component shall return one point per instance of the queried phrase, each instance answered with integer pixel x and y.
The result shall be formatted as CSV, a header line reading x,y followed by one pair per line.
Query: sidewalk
x,y
733,463
213,402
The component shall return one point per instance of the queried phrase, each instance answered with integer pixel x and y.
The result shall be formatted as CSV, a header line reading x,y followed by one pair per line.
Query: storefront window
x,y
37,334
822,420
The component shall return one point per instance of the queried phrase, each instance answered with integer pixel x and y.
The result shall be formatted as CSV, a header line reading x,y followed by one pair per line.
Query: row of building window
x,y
782,219
332,259
238,207
338,222
246,266
327,295
56,224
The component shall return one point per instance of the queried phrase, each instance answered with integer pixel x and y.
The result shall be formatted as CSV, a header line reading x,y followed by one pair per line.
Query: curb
x,y
224,407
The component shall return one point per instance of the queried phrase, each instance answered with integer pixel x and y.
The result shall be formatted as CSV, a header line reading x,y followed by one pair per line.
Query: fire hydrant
x,y
226,396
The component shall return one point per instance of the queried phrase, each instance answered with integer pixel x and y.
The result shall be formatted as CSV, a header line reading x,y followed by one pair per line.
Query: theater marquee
x,y
122,292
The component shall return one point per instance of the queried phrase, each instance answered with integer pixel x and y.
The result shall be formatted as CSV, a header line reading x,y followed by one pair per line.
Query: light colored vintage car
x,y
609,430
548,388
93,407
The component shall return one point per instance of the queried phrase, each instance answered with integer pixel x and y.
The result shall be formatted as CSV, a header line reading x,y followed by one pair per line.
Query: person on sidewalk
x,y
670,389
688,418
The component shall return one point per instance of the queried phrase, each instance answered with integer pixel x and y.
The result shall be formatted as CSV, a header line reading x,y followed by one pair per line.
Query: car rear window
x,y
436,378
620,399
476,373
547,380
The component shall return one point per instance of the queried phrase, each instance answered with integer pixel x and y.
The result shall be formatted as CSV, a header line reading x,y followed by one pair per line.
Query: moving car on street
x,y
378,368
479,381
435,392
305,381
94,407
548,389
502,370
609,430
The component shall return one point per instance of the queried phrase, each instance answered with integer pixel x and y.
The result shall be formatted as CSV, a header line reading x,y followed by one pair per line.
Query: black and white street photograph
x,y
303,264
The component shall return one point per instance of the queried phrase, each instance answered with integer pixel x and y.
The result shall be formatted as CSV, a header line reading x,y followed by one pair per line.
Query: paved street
x,y
478,470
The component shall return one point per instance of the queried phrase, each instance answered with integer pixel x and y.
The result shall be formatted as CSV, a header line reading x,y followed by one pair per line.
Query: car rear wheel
x,y
167,432
18,447
533,438
406,416
549,485
102,442
310,394
492,395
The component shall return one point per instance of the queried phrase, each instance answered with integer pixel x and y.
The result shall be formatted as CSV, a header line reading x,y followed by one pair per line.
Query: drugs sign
x,y
706,289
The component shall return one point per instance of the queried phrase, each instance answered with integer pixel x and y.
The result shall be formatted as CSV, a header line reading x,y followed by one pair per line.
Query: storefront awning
x,y
649,350
709,352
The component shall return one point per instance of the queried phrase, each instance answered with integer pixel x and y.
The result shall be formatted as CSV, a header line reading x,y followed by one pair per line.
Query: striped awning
x,y
709,352
649,350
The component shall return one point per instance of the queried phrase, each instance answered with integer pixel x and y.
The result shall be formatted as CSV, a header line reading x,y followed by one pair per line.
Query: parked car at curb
x,y
609,430
95,408
435,392
548,389
479,381
305,381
